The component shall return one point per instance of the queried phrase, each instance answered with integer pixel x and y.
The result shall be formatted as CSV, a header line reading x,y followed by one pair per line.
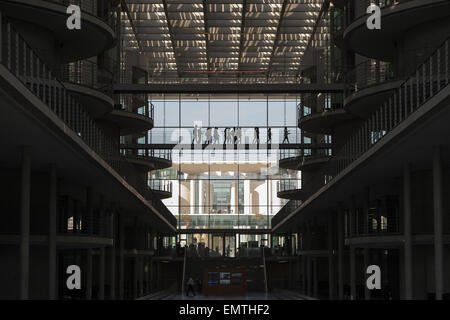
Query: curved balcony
x,y
161,188
373,82
291,189
315,160
151,160
96,35
324,122
90,85
131,122
398,18
290,159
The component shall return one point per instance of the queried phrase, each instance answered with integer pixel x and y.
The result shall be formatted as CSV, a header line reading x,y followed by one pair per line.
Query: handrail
x,y
22,61
429,78
88,73
368,73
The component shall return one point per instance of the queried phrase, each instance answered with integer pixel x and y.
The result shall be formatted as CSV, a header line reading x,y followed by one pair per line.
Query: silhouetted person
x,y
234,135
286,135
190,287
256,138
208,135
269,135
194,134
216,135
238,134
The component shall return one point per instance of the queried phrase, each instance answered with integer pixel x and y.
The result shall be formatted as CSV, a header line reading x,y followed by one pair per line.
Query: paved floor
x,y
276,295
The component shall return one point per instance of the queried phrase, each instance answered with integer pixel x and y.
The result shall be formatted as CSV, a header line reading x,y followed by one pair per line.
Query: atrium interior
x,y
222,149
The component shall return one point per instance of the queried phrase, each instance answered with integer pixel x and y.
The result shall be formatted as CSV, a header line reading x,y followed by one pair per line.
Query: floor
x,y
276,295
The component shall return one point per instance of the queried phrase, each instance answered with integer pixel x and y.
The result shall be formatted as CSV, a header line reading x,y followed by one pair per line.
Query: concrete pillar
x,y
340,226
112,273
331,281
352,273
366,264
192,196
438,222
247,198
101,281
303,265
315,277
141,276
135,277
147,275
200,197
407,229
309,276
88,273
25,222
53,205
121,256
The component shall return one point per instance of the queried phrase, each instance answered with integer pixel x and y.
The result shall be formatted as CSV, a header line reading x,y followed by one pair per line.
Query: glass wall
x,y
225,157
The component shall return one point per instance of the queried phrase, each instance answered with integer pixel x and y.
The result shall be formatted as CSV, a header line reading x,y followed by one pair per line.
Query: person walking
x,y
190,287
194,134
286,135
269,135
216,135
208,136
256,138
238,135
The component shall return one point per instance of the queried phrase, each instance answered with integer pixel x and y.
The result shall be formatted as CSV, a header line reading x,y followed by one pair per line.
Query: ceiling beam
x,y
241,36
169,26
277,35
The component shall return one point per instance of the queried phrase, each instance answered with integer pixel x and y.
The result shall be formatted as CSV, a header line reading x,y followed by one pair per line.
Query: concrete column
x,y
53,205
331,281
25,223
233,197
303,265
141,276
438,222
112,271
315,277
340,226
366,264
309,276
121,256
352,273
101,281
200,197
147,275
247,198
88,273
407,229
192,196
135,277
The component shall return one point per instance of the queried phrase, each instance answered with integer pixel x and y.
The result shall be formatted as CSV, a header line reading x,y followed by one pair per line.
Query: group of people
x,y
231,136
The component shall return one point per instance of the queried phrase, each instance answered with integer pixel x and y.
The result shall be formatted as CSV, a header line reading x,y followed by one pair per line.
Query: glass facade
x,y
225,172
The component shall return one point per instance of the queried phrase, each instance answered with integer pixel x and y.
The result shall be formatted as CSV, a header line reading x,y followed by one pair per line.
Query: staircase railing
x,y
428,80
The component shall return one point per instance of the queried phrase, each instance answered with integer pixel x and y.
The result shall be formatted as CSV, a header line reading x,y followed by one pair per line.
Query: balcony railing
x,y
127,104
160,185
144,154
22,61
87,73
289,185
428,80
374,226
369,73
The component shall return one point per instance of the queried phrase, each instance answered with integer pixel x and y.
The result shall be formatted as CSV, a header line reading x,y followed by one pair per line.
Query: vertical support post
x,y
352,273
341,251
52,272
438,222
101,281
25,223
408,261
331,282
366,264
121,256
88,273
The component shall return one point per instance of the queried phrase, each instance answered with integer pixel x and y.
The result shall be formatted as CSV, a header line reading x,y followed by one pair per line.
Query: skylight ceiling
x,y
221,38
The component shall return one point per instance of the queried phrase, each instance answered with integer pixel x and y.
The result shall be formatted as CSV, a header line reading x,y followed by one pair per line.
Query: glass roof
x,y
221,38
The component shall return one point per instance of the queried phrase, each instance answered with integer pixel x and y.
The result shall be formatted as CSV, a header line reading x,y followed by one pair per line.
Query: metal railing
x,y
128,103
144,154
22,61
88,73
160,185
429,78
369,73
374,226
290,153
289,185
